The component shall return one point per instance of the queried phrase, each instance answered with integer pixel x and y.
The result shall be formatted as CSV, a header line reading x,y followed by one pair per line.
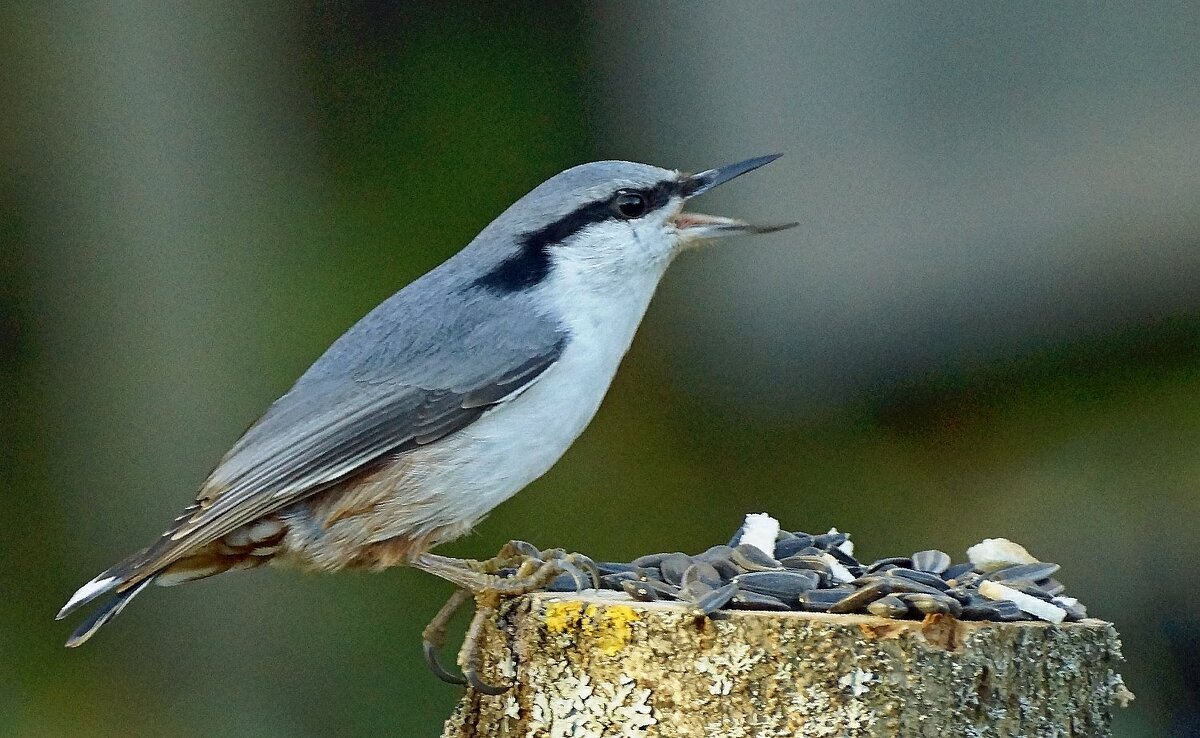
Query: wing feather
x,y
329,429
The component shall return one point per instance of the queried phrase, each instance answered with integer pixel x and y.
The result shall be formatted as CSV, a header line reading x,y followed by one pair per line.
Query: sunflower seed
x,y
751,558
820,574
844,558
715,553
785,584
613,567
888,607
640,591
830,540
981,611
613,581
924,577
863,597
932,561
791,546
562,583
1027,587
648,573
933,604
1052,587
1035,572
649,560
745,600
700,571
956,571
1075,610
715,599
673,567
820,600
894,561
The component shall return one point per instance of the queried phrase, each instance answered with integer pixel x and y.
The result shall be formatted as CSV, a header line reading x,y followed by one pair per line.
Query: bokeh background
x,y
988,323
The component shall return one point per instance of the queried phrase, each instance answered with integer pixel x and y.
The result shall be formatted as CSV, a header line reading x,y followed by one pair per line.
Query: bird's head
x,y
606,220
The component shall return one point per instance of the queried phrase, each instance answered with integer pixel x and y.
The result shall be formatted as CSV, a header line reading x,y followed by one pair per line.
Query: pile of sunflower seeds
x,y
819,573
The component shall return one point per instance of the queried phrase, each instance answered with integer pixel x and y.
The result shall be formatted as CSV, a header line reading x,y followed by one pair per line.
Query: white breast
x,y
479,467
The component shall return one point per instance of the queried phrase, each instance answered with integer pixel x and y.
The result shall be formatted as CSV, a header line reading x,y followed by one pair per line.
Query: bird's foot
x,y
530,570
519,568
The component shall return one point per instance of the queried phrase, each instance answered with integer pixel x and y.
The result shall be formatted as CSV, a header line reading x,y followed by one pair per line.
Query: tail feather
x,y
105,612
100,585
126,579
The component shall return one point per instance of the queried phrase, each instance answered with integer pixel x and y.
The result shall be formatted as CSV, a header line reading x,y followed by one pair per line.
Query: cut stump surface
x,y
600,664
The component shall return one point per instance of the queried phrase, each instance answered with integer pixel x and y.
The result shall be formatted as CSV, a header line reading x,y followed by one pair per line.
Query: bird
x,y
446,399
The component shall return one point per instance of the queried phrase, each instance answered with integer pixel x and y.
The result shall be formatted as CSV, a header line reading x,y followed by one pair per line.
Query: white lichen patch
x,y
506,667
576,708
857,681
724,667
816,713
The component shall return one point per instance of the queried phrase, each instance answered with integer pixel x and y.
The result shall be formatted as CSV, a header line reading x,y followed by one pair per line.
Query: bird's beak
x,y
697,226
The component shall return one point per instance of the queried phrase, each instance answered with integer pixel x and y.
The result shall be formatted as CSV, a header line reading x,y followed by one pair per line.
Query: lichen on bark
x,y
599,664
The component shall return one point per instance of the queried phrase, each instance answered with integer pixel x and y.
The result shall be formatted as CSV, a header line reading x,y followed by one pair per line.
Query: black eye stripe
x,y
531,263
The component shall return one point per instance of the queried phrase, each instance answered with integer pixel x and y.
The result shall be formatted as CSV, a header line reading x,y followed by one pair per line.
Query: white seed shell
x,y
996,553
760,531
1032,605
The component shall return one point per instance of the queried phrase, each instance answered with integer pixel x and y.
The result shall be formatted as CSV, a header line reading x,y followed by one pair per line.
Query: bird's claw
x,y
439,671
435,634
472,678
531,570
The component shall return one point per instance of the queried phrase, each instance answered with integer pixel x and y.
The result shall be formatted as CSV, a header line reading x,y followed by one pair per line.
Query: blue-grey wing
x,y
400,378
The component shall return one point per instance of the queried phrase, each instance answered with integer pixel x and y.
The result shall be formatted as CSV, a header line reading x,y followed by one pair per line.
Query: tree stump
x,y
600,664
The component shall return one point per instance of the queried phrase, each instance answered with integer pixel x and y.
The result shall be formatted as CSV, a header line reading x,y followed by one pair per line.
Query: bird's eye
x,y
629,205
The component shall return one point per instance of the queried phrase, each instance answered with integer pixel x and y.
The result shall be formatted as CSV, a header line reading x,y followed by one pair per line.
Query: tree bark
x,y
599,664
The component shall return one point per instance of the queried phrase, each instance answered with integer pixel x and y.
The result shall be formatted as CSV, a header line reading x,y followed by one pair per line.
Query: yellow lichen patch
x,y
613,627
563,616
609,628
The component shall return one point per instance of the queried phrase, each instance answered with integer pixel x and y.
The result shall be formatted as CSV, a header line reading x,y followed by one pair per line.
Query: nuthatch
x,y
446,399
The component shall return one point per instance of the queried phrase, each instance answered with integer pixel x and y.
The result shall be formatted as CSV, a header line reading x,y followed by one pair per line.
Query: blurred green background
x,y
987,325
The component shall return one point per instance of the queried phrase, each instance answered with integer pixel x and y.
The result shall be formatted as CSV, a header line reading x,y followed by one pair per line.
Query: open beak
x,y
697,226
